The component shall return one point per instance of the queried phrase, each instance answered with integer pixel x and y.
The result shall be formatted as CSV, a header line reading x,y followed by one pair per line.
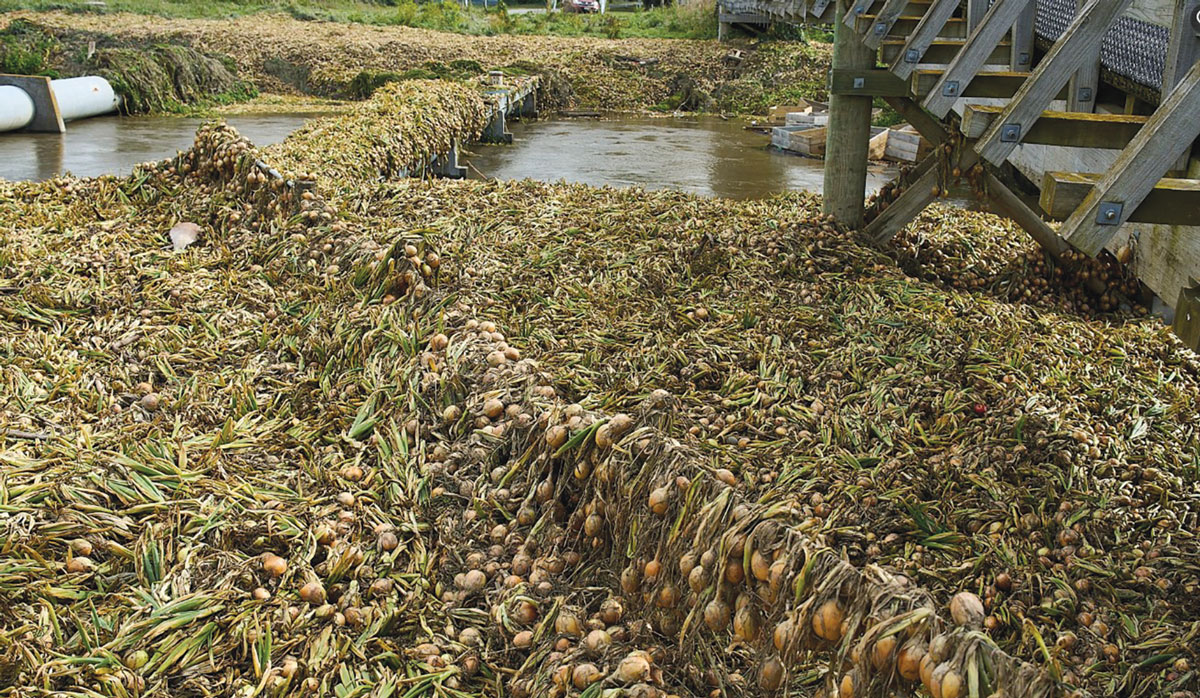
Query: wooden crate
x,y
905,145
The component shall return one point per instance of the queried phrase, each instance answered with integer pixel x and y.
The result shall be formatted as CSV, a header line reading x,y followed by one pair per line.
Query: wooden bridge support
x,y
849,130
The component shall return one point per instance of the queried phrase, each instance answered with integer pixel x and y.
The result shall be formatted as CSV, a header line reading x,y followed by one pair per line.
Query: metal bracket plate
x,y
1010,133
1110,213
881,28
1023,58
950,89
912,56
860,83
1085,94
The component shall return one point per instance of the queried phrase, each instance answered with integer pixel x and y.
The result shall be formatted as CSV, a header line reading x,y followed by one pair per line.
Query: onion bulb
x,y
745,624
951,684
881,653
556,436
967,610
908,662
783,634
652,569
313,593
611,611
760,566
770,675
596,642
827,621
926,672
630,579
698,579
734,573
585,675
567,623
523,639
716,615
593,525
633,668
274,565
659,500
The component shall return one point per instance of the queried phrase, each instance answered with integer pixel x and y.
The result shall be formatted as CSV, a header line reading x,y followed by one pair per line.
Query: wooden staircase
x,y
968,76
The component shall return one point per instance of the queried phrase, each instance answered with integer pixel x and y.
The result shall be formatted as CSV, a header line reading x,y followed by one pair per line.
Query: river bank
x,y
281,55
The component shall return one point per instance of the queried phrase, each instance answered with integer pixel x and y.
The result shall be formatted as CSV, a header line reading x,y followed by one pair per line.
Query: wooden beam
x,y
849,131
1171,202
1023,39
1109,131
1009,204
989,84
1068,55
930,128
978,48
872,83
1183,48
1085,82
1187,316
1167,135
903,210
884,21
943,51
919,41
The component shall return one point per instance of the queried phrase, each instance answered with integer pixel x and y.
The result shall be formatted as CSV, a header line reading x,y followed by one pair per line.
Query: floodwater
x,y
707,156
114,144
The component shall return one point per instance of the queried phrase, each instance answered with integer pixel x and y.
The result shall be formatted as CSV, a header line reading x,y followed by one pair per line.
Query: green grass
x,y
691,22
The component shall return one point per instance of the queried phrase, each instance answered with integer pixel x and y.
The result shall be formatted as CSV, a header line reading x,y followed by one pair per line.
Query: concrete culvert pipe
x,y
16,108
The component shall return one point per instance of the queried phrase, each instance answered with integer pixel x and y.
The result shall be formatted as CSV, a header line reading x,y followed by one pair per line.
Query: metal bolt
x,y
1110,214
860,83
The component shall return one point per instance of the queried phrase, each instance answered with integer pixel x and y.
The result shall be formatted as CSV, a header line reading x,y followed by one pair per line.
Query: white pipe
x,y
16,108
77,98
82,97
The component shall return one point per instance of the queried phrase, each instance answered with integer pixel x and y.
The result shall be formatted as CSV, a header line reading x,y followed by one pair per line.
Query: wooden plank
x,y
942,51
1077,44
1009,204
903,210
1023,39
919,41
988,84
1109,131
1167,135
1187,316
925,124
46,116
1152,12
849,131
955,28
873,83
975,52
884,20
1171,202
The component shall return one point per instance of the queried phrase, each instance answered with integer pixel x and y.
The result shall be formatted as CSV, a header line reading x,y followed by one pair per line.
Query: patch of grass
x,y
671,22
887,116
26,49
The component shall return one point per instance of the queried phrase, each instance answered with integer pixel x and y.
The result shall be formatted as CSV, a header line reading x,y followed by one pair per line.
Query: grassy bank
x,y
697,21
279,54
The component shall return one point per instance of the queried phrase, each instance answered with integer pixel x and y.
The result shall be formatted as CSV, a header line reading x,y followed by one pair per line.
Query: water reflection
x,y
703,156
113,145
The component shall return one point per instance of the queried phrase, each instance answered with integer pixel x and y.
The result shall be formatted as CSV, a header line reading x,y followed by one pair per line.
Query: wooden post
x,y
1085,82
1023,38
849,131
976,9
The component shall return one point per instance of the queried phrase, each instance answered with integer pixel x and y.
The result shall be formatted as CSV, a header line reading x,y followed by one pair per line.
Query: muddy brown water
x,y
707,156
114,144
